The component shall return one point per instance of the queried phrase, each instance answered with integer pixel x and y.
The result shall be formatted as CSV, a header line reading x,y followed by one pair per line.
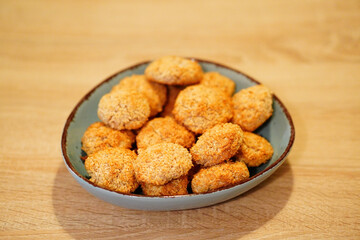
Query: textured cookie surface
x,y
154,92
174,187
199,108
252,107
124,110
99,136
173,70
216,80
159,130
218,176
255,150
161,163
112,168
217,144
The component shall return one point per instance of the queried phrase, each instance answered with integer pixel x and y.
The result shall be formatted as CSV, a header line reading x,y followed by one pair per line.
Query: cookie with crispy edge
x,y
154,92
112,168
174,70
219,176
255,150
161,163
217,144
199,108
174,187
124,110
159,130
216,80
99,136
252,107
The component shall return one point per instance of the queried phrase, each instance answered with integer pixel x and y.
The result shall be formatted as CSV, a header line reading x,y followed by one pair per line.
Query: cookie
x,y
112,168
174,187
219,176
173,70
99,136
255,150
199,108
216,80
217,144
154,92
162,163
124,110
160,130
252,107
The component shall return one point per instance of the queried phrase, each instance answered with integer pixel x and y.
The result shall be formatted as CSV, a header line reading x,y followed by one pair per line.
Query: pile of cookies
x,y
176,130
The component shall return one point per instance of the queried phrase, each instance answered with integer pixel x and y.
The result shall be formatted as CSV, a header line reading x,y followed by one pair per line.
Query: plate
x,y
279,130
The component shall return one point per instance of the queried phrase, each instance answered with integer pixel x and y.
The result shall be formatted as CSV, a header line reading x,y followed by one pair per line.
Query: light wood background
x,y
307,52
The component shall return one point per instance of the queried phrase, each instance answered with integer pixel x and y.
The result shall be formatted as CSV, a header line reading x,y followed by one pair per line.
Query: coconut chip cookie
x,y
219,176
217,144
99,136
216,80
174,187
160,130
199,108
124,110
255,150
173,70
252,107
154,92
161,163
112,168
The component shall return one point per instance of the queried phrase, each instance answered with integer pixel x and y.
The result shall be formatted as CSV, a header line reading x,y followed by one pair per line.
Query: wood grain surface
x,y
307,52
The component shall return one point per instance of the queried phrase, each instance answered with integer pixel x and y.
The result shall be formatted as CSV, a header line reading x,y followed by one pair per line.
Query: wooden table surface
x,y
307,52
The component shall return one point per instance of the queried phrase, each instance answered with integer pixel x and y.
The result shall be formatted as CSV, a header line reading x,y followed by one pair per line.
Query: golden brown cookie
x,y
174,187
199,108
159,130
161,163
252,107
215,79
173,70
217,144
154,92
99,136
112,168
219,176
124,110
255,150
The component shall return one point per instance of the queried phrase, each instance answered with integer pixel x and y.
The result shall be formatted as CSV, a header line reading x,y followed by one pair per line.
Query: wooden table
x,y
307,52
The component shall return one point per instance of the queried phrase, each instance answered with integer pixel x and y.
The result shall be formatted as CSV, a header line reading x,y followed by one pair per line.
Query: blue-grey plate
x,y
279,130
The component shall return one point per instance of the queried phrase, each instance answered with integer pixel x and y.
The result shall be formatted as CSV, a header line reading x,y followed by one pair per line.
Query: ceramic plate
x,y
279,130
